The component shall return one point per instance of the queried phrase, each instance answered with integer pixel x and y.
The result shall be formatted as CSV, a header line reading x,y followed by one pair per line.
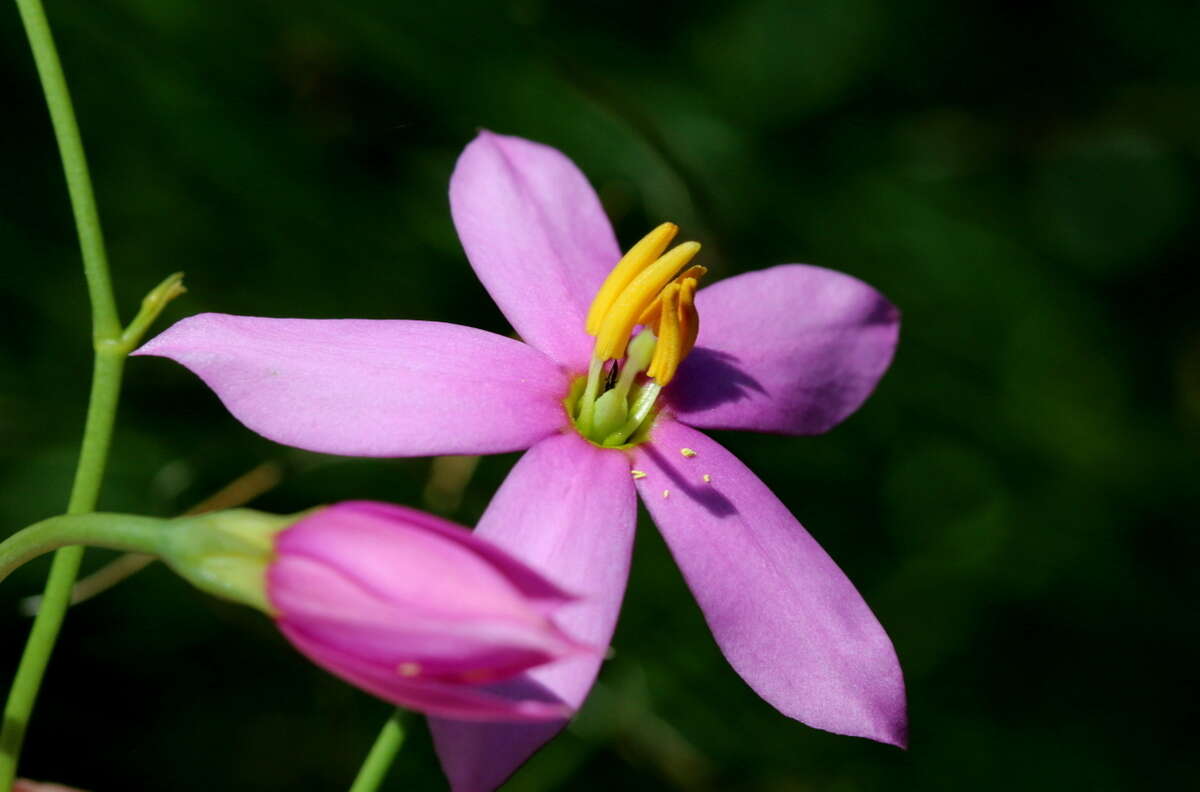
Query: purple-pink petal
x,y
786,617
792,349
537,236
568,509
445,699
464,640
336,533
395,585
362,387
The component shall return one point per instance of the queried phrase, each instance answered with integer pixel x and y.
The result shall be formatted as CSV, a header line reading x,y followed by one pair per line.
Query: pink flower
x,y
790,350
25,785
416,610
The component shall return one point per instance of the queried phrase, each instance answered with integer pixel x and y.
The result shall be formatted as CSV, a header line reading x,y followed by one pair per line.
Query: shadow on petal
x,y
525,688
709,377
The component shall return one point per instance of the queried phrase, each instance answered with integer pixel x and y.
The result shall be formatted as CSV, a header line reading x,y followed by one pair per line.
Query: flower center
x,y
612,406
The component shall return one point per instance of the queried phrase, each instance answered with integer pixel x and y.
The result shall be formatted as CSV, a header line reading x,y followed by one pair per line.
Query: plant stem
x,y
128,532
375,767
105,323
102,405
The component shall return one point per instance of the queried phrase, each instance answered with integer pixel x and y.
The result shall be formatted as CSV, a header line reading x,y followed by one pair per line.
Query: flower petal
x,y
537,236
787,619
793,349
396,536
446,699
567,509
372,388
352,614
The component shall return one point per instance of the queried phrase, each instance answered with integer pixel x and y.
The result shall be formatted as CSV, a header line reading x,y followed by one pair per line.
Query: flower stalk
x,y
105,322
128,532
112,345
381,756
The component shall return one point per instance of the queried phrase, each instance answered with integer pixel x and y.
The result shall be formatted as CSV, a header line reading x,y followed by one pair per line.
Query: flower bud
x,y
415,610
409,607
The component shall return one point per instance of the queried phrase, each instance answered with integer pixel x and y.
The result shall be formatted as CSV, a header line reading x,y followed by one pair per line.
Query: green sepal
x,y
226,553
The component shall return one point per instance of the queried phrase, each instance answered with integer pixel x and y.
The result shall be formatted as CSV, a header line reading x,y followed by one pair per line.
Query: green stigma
x,y
607,409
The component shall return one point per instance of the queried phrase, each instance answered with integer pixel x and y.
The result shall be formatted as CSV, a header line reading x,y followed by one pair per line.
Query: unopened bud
x,y
417,610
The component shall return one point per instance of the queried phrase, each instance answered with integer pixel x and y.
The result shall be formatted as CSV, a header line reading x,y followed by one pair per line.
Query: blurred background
x,y
1017,501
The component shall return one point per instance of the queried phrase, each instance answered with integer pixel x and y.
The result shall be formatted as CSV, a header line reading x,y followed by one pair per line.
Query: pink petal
x,y
568,509
537,236
25,785
372,388
792,349
354,613
787,619
396,535
451,700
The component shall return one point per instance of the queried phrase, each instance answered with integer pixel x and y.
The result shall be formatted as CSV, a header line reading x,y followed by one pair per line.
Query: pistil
x,y
612,408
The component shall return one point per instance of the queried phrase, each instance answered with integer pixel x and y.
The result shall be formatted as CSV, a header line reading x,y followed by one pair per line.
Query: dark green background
x,y
1017,501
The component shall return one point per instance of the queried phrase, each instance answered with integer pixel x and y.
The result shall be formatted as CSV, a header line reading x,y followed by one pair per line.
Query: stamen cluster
x,y
646,288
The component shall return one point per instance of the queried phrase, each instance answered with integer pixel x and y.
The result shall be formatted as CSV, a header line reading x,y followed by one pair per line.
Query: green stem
x,y
128,532
375,768
102,406
105,323
56,597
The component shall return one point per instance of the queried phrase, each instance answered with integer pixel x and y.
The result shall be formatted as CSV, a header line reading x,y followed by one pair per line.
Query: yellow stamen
x,y
639,474
689,317
650,316
624,312
666,353
640,256
687,452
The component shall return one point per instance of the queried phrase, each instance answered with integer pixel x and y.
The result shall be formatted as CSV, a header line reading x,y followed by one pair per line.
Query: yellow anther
x,y
650,316
640,256
639,474
687,452
624,312
666,352
689,317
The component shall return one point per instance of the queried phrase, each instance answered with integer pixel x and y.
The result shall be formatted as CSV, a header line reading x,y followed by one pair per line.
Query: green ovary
x,y
615,411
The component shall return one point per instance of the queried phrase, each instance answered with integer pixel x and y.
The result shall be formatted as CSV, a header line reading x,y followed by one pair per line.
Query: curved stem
x,y
375,767
130,532
105,324
106,381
